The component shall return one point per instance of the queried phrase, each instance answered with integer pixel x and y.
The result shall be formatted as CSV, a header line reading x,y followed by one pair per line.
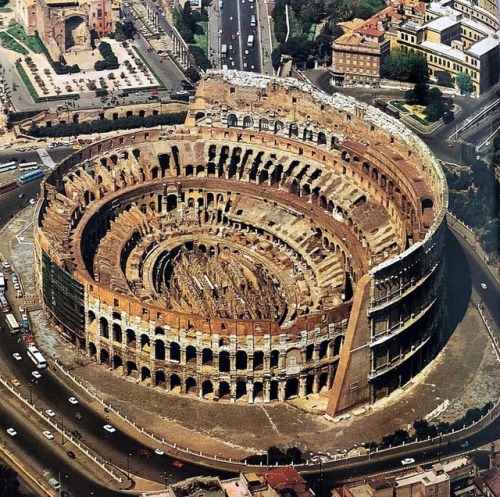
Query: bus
x,y
4,303
250,41
7,187
2,283
31,176
12,323
223,50
253,20
25,166
36,357
7,166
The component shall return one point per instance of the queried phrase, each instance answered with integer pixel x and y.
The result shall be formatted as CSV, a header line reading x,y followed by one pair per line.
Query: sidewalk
x,y
236,430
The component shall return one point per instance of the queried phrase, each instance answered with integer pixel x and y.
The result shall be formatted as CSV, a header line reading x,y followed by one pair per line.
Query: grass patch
x,y
5,10
420,120
11,44
202,40
27,82
400,106
32,42
153,72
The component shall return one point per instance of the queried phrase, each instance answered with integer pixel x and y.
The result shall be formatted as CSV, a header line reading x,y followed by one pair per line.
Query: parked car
x,y
109,428
11,432
159,452
48,434
71,454
73,401
36,374
407,461
50,413
17,356
177,464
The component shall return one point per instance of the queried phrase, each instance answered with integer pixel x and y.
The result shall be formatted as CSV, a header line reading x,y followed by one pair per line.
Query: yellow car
x,y
15,382
77,147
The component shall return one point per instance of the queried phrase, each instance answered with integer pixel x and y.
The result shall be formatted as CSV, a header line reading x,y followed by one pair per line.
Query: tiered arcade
x,y
279,243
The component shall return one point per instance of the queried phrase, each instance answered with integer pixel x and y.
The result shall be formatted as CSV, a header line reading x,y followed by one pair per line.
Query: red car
x,y
177,464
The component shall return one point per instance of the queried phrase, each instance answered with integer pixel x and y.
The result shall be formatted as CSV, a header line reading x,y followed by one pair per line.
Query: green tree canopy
x,y
443,78
405,66
464,83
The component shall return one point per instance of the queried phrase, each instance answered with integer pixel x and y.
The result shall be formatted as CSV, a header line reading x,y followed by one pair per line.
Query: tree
x,y
434,111
464,83
276,58
443,78
405,66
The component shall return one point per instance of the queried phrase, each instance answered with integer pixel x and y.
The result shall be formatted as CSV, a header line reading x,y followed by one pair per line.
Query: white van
x,y
54,484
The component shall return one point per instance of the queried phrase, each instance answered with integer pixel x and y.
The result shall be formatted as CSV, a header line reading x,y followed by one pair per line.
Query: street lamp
x,y
439,449
165,478
62,430
128,466
31,393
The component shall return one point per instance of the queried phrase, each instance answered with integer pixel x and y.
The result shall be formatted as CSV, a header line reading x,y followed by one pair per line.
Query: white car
x,y
109,428
159,452
11,432
36,374
407,461
32,201
484,286
17,356
48,434
50,413
73,401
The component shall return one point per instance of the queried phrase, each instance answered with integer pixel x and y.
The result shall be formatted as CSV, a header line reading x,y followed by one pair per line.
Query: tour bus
x,y
253,20
223,50
4,303
31,176
250,41
25,166
7,166
12,323
2,283
36,357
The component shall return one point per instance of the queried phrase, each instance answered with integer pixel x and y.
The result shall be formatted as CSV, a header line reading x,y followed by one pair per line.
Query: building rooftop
x,y
485,45
440,48
441,23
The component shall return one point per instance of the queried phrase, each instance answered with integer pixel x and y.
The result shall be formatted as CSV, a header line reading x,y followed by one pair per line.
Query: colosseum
x,y
280,243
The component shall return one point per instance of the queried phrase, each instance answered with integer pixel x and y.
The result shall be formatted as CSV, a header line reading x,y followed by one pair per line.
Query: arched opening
x,y
117,333
309,384
224,390
275,355
309,352
258,360
258,392
131,369
160,380
207,357
273,390
291,388
130,334
232,120
323,382
241,389
247,122
145,373
191,386
323,349
190,355
159,350
116,362
104,328
90,317
92,349
144,342
175,352
207,388
104,356
224,362
337,345
241,360
175,383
